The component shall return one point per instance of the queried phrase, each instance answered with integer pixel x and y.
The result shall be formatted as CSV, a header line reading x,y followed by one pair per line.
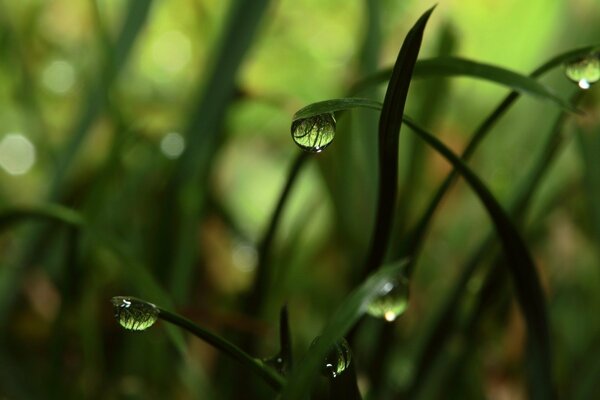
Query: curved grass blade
x,y
390,122
522,268
455,66
251,363
413,245
350,311
51,212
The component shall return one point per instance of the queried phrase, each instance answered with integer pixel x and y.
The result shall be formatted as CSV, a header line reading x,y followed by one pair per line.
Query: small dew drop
x,y
392,300
134,314
338,359
277,363
584,71
315,133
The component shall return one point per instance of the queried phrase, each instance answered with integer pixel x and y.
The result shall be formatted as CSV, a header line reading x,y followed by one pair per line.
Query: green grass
x,y
502,273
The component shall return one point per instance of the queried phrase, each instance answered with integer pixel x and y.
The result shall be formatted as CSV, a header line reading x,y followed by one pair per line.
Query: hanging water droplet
x,y
315,133
392,300
584,70
134,314
338,359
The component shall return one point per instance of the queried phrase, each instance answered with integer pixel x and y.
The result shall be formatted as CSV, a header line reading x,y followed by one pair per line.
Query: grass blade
x,y
251,363
349,312
51,212
441,327
335,105
202,133
390,122
522,268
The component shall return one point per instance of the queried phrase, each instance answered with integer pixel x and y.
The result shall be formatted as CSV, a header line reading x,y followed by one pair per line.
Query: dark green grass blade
x,y
589,148
412,246
202,133
522,268
51,212
285,339
350,311
256,299
440,328
454,66
223,345
390,122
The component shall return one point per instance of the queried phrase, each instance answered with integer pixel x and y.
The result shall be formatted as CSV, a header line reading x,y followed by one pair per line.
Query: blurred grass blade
x,y
51,212
349,312
135,19
202,133
390,122
257,297
522,268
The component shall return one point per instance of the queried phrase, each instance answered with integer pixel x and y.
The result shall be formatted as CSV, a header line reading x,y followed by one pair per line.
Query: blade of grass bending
x,y
202,135
51,212
454,66
412,247
522,268
390,122
251,363
441,326
349,312
256,298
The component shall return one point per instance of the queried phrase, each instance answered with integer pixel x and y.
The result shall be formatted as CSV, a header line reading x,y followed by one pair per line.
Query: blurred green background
x,y
112,108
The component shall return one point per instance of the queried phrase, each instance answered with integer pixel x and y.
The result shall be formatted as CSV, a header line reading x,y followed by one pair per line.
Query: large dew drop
x,y
134,314
315,133
392,300
584,70
338,359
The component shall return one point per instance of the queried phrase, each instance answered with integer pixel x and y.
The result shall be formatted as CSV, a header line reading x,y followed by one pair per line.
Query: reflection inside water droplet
x,y
584,70
134,314
338,359
392,300
315,133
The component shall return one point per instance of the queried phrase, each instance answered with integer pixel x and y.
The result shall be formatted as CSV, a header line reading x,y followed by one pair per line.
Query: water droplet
x,y
315,133
392,300
134,314
277,363
338,359
584,70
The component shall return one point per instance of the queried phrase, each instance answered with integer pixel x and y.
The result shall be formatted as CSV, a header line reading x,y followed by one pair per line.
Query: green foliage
x,y
143,152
